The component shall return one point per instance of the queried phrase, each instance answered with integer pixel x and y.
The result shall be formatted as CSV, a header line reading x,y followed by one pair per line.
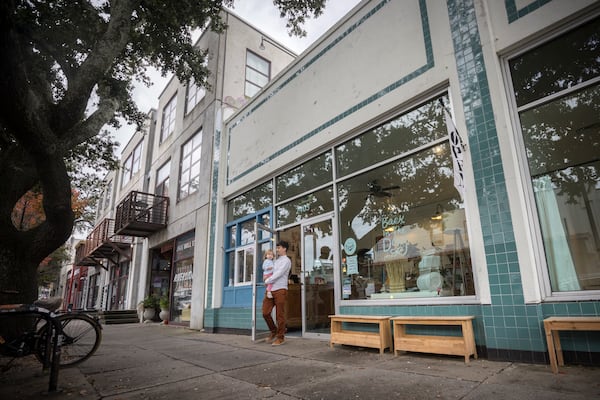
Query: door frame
x,y
336,270
258,226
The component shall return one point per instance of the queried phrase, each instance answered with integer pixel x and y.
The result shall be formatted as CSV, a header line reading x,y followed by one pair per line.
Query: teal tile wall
x,y
232,318
513,14
425,310
509,323
507,308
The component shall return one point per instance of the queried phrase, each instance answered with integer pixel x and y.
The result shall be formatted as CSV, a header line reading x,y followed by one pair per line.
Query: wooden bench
x,y
553,325
452,345
381,339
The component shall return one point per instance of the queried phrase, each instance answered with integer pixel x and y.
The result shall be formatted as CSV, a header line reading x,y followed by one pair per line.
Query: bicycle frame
x,y
51,359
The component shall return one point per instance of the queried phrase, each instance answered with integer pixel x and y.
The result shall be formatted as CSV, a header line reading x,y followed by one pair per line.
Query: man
x,y
279,280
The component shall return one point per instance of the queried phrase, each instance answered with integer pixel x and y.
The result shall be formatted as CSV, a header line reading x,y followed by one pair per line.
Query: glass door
x,y
318,259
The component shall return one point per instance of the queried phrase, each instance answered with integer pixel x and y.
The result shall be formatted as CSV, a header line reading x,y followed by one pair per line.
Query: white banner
x,y
457,149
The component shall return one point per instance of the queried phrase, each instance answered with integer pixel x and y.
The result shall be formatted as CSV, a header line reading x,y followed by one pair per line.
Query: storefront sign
x,y
183,276
457,149
389,221
350,246
303,208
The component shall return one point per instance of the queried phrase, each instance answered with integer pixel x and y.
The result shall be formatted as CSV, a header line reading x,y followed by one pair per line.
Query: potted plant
x,y
150,303
164,309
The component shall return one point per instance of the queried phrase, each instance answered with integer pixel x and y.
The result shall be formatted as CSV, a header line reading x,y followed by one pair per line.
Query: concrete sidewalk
x,y
151,361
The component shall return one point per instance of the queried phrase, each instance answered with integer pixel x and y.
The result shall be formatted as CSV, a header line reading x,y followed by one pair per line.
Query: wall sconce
x,y
275,44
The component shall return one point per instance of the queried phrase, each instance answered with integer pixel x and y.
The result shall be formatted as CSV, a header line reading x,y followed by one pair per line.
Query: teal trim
x,y
513,14
378,94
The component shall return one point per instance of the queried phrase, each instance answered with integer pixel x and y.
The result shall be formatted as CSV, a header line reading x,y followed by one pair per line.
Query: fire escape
x,y
103,243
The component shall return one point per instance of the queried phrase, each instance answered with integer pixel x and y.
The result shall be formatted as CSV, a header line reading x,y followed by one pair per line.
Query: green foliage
x,y
150,302
49,270
68,70
164,302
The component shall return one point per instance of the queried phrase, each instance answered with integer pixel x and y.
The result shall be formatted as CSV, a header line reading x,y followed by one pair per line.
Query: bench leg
x,y
551,350
557,347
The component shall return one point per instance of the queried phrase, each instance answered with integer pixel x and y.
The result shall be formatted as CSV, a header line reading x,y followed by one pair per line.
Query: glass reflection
x,y
305,177
409,225
313,204
250,202
399,136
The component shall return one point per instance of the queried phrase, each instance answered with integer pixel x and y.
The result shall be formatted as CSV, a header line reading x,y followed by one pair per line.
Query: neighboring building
x,y
153,224
346,156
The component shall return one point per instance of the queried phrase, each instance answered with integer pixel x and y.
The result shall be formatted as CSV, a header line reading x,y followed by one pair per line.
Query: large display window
x,y
402,222
558,101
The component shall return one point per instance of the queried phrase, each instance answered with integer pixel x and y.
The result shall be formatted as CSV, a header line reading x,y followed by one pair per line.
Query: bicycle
x,y
19,337
79,334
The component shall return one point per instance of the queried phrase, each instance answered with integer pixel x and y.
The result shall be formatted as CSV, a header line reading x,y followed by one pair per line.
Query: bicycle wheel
x,y
81,336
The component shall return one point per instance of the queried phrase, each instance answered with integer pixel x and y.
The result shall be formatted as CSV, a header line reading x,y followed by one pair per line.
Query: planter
x,y
149,314
164,315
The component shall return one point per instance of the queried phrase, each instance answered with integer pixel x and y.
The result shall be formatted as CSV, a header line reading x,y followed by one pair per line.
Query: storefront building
x,y
423,158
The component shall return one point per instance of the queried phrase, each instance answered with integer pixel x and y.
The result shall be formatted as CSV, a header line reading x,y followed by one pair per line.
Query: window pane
x,y
239,276
562,140
249,265
250,202
247,233
410,131
190,165
562,144
564,132
230,260
232,236
311,205
540,73
251,89
258,63
257,73
256,77
168,119
305,177
409,225
162,179
195,93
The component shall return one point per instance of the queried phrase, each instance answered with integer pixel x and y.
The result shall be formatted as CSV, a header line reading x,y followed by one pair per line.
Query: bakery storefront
x,y
377,219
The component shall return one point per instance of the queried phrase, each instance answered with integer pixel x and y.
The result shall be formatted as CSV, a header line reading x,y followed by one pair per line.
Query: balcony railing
x,y
141,214
103,243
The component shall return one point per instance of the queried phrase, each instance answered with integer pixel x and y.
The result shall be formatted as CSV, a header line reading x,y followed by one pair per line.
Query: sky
x,y
263,15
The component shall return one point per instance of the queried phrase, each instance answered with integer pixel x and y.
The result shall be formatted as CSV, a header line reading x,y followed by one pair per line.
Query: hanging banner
x,y
457,149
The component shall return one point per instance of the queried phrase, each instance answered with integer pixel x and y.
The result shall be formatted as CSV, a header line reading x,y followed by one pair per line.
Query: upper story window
x,y
162,179
194,93
558,115
189,179
258,73
168,119
132,164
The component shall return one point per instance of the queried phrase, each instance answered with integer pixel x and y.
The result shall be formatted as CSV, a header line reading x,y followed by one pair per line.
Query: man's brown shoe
x,y
278,342
270,339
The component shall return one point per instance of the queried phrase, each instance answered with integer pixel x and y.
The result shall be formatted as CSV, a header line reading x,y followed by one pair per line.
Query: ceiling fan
x,y
376,190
